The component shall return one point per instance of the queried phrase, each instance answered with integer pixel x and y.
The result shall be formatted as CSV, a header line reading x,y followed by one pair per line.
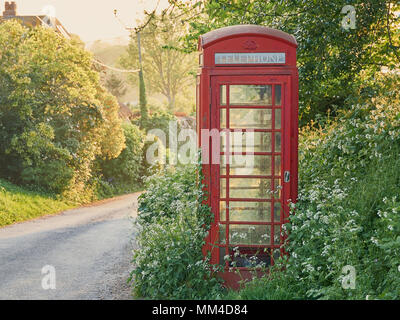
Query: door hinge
x,y
286,177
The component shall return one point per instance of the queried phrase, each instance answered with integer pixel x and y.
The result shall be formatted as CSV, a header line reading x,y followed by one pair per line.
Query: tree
x,y
115,85
55,118
167,69
332,60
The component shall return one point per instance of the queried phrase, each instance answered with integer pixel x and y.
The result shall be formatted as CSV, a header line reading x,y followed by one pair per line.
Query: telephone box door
x,y
250,185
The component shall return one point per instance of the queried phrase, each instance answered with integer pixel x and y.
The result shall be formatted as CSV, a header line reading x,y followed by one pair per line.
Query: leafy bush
x,y
172,224
153,168
54,115
157,120
272,287
160,120
53,175
127,168
348,207
166,193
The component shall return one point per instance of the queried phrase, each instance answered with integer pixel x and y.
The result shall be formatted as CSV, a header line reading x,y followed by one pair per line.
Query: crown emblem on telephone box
x,y
250,45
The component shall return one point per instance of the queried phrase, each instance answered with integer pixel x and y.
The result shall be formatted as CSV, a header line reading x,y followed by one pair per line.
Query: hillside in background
x,y
109,54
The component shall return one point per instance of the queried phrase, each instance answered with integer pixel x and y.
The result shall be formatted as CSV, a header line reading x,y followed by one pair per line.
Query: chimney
x,y
10,10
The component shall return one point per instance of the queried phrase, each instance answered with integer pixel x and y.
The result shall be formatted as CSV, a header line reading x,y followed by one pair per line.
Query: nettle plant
x,y
172,226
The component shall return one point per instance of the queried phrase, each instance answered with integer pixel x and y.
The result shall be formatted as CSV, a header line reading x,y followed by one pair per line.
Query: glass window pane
x,y
222,234
247,141
222,188
250,118
246,257
278,189
250,211
277,211
250,95
277,234
244,165
222,254
278,95
222,164
249,188
223,95
278,118
222,211
249,234
277,166
278,146
222,118
223,142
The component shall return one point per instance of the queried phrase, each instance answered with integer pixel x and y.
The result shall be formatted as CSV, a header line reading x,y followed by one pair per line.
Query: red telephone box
x,y
248,86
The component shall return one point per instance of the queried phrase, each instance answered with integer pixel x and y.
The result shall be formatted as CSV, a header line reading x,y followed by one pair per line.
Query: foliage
x,y
330,58
52,175
109,54
347,212
164,194
108,189
167,70
115,85
159,120
172,226
127,168
19,204
271,287
54,116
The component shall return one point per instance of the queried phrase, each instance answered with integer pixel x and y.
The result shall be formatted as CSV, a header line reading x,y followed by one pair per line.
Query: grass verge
x,y
18,204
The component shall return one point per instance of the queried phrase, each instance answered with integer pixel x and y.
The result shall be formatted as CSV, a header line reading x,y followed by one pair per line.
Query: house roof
x,y
10,12
34,21
124,112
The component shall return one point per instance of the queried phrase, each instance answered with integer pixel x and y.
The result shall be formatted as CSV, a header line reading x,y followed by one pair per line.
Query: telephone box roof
x,y
211,37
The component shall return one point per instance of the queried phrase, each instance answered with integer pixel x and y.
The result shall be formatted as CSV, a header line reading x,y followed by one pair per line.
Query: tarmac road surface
x,y
85,253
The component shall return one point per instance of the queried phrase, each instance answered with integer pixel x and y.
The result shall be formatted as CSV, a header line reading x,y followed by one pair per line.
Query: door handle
x,y
286,176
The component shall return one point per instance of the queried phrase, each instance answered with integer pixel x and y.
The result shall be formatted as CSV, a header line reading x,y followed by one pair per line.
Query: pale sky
x,y
91,19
